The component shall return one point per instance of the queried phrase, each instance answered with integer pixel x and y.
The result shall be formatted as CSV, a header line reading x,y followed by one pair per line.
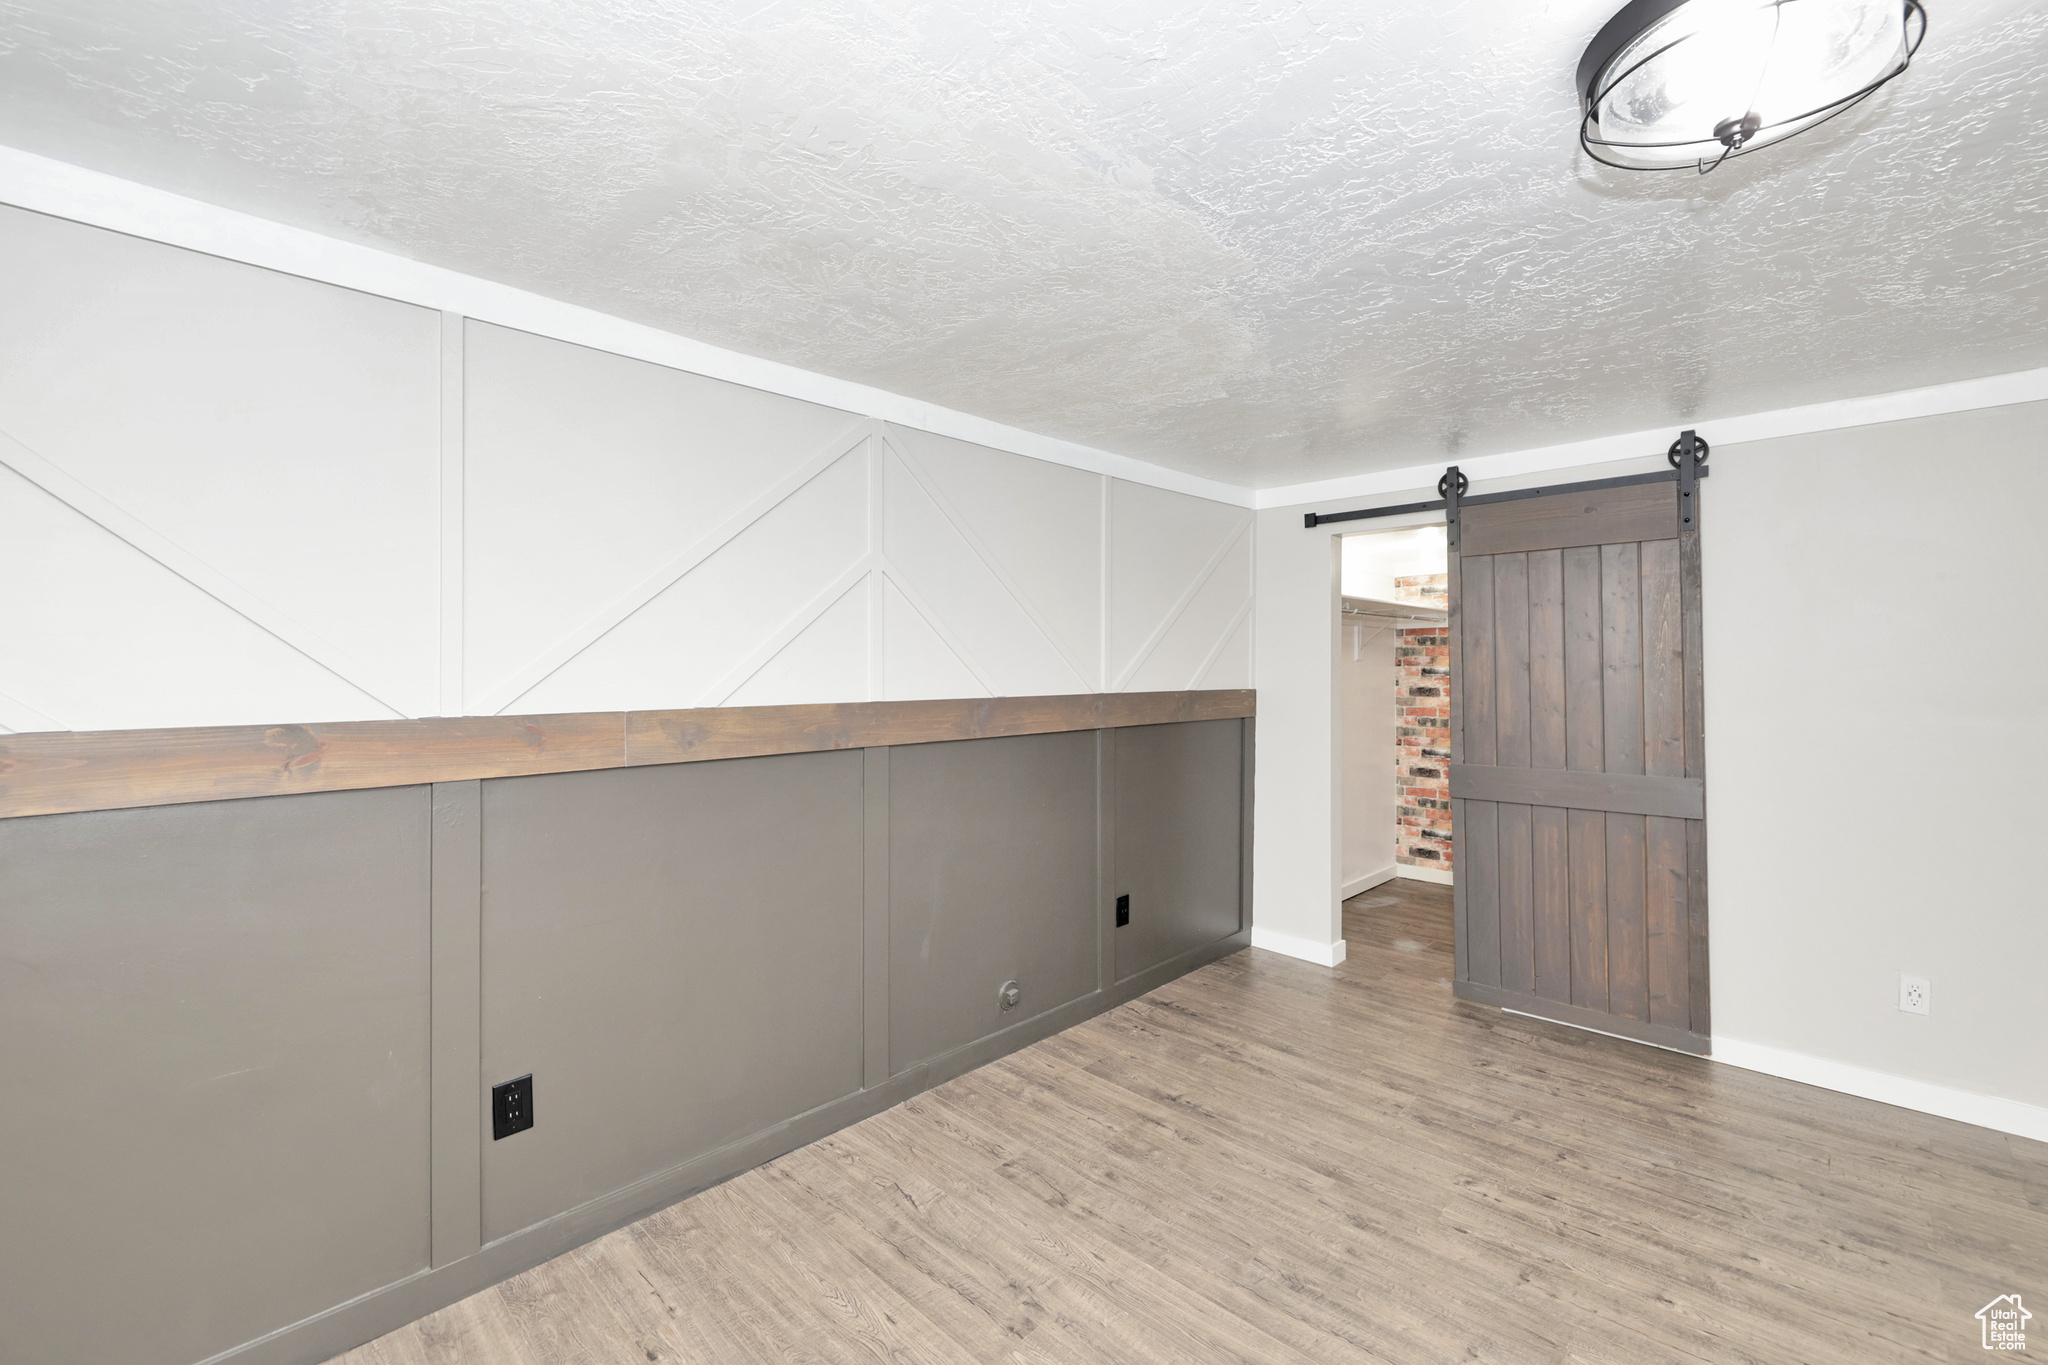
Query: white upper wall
x,y
1875,647
231,495
1877,723
1374,559
1366,684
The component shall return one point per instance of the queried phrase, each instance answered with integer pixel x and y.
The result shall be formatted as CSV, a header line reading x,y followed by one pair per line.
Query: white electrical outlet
x,y
1914,992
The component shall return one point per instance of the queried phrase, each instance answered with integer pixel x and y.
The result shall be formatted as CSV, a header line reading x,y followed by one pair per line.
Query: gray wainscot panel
x,y
214,1055
674,954
991,879
1179,840
215,1018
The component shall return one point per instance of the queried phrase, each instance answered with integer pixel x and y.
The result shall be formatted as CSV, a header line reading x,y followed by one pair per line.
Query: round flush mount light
x,y
1684,84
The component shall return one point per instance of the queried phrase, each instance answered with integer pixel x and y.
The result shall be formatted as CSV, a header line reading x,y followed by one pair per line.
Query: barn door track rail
x,y
1688,457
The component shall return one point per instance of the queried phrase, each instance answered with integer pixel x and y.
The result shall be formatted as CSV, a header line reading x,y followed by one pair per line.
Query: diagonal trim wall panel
x,y
902,584
593,482
1038,525
963,597
112,518
280,432
1179,608
607,618
721,691
19,716
708,622
916,662
826,662
987,556
1161,551
1223,643
527,522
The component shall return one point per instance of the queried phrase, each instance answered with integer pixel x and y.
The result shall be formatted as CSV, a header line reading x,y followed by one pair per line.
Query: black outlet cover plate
x,y
1123,911
511,1107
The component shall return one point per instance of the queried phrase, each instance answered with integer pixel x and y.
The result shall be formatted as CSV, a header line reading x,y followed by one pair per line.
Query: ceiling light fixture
x,y
1673,84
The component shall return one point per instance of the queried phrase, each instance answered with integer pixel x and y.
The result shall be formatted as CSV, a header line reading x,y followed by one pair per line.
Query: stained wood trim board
x,y
51,773
1683,798
1601,517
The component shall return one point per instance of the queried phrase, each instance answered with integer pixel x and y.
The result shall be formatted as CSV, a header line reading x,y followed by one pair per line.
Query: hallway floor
x,y
1271,1161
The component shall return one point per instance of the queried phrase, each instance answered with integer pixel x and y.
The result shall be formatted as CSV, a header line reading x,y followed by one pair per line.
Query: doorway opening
x,y
1576,755
1393,689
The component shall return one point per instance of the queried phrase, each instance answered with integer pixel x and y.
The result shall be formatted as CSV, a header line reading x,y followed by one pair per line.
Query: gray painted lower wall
x,y
214,1063
674,955
991,880
1180,854
246,1046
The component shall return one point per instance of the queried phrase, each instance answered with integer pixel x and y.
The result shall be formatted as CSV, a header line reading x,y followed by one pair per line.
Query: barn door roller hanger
x,y
1688,457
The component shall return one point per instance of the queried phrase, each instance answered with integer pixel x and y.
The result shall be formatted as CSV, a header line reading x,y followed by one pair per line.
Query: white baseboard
x,y
1440,875
1965,1106
1307,949
1366,881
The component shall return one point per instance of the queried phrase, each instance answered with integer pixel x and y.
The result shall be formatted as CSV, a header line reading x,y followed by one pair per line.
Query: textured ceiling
x,y
1262,242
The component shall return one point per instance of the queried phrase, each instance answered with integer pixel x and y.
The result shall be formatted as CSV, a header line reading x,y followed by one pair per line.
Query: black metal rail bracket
x,y
1452,487
1688,456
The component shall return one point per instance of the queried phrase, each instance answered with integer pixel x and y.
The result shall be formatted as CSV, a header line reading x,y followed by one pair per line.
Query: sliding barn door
x,y
1577,782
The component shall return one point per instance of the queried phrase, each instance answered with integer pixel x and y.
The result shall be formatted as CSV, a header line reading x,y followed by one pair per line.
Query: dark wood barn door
x,y
1577,780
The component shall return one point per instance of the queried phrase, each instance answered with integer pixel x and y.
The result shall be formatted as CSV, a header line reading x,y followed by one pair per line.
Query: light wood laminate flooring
x,y
1271,1161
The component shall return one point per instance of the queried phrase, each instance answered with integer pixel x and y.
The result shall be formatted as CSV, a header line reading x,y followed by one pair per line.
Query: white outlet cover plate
x,y
1915,994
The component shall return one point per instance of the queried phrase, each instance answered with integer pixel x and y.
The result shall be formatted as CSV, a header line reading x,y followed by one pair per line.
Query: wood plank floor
x,y
1271,1161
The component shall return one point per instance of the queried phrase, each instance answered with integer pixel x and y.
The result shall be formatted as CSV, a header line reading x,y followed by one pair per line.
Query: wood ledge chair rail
x,y
65,771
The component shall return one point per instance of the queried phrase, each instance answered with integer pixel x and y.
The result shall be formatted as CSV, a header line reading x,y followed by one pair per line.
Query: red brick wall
x,y
1422,734
1424,590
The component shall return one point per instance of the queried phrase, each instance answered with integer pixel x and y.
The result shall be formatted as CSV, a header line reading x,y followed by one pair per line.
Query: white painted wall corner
x,y
1307,949
1964,1106
1366,881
